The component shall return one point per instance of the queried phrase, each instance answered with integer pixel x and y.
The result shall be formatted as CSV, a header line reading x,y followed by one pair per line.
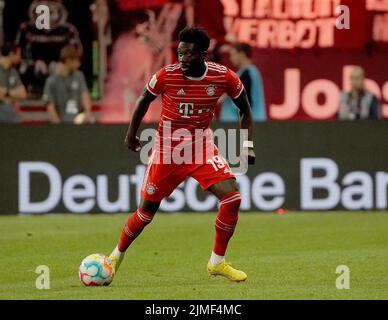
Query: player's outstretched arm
x,y
141,108
246,122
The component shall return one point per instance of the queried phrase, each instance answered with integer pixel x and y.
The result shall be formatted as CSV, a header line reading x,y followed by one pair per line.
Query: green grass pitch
x,y
291,256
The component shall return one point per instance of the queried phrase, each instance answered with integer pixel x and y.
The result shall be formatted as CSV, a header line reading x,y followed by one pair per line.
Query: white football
x,y
96,270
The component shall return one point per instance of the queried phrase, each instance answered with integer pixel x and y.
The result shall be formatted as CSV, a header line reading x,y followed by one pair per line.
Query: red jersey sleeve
x,y
234,86
157,82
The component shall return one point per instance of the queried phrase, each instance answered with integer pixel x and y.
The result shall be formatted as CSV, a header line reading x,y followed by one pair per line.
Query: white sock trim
x,y
117,253
215,259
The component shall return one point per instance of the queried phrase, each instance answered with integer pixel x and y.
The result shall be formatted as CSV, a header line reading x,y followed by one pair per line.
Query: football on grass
x,y
96,270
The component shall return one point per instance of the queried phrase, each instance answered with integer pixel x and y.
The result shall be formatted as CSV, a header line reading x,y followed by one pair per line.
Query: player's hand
x,y
251,156
133,143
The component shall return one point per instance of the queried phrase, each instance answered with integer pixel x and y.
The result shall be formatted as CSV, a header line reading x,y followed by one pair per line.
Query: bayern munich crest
x,y
151,188
210,90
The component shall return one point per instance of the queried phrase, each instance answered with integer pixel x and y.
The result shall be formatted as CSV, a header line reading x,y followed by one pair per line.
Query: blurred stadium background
x,y
308,157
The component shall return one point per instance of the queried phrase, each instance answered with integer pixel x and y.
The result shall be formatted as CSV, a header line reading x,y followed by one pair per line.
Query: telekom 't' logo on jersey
x,y
186,108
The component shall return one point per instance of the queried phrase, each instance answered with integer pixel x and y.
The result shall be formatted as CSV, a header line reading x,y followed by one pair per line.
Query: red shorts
x,y
160,179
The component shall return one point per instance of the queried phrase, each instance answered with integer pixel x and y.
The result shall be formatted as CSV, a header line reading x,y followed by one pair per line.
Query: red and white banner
x,y
304,58
302,48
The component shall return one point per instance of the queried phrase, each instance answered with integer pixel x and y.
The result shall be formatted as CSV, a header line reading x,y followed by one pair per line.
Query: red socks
x,y
134,226
226,221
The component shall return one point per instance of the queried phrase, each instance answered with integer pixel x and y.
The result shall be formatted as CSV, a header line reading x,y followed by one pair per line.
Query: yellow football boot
x,y
226,270
116,261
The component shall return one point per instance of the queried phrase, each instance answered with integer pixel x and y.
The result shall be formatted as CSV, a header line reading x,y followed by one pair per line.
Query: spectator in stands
x,y
359,103
240,56
66,93
41,47
11,87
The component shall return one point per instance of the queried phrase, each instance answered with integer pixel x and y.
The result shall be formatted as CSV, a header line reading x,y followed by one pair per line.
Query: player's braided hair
x,y
195,35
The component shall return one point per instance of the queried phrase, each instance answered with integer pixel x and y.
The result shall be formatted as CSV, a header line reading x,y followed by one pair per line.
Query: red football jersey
x,y
189,103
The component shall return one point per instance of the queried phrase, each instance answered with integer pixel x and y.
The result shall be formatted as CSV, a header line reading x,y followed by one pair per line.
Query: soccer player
x,y
189,90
